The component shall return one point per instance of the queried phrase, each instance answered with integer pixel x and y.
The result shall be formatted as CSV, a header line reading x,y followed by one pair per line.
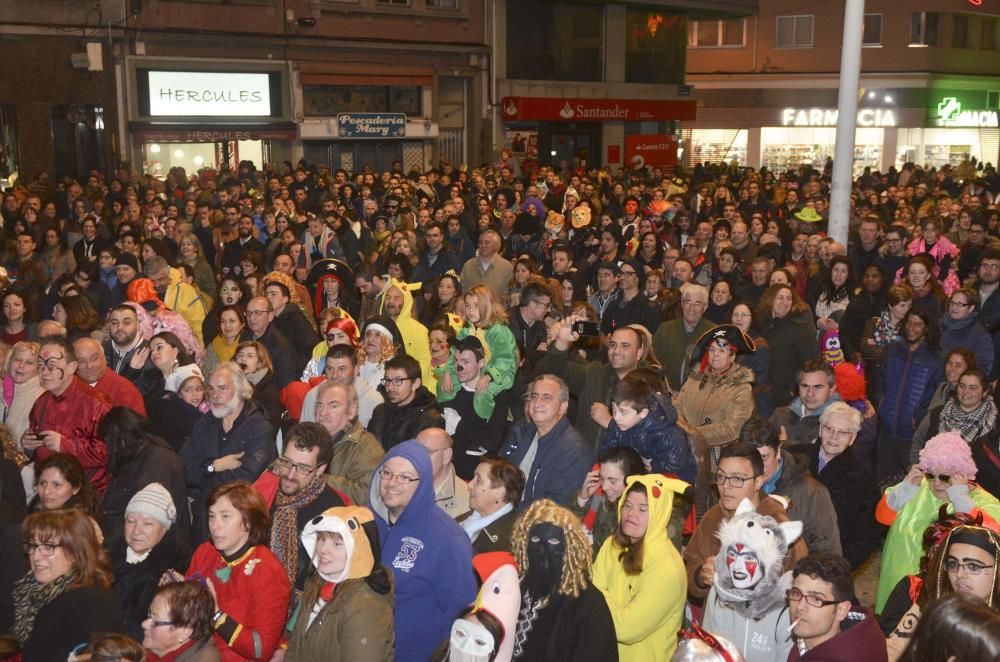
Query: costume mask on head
x,y
500,595
554,222
470,642
830,347
581,216
546,550
748,576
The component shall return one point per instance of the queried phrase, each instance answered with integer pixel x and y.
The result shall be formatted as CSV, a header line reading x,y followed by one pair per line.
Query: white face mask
x,y
470,642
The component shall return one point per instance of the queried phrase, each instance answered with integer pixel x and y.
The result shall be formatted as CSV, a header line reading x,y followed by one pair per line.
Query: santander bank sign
x,y
596,110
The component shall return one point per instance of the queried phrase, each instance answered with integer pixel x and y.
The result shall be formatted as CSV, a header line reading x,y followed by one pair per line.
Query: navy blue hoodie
x,y
430,557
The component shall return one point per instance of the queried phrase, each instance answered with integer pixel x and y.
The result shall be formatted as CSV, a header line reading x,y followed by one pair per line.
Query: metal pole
x,y
847,111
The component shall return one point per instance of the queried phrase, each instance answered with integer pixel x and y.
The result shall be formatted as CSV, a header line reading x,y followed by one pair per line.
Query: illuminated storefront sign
x,y
867,117
951,114
209,94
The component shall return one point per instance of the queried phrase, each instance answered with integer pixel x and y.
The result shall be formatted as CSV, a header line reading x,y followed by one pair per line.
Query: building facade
x,y
767,85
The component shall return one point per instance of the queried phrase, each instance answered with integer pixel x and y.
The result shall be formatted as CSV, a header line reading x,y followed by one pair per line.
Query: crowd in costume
x,y
507,413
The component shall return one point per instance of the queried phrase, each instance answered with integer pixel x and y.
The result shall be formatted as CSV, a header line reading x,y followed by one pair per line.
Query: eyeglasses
x,y
794,595
959,304
992,266
838,434
942,478
628,273
388,477
734,481
284,464
971,567
156,623
395,381
46,548
256,313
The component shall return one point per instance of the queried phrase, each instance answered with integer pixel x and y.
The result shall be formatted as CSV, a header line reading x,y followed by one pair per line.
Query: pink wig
x,y
168,320
947,453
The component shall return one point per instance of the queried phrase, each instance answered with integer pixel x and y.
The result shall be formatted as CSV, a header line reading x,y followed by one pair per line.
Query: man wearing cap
x,y
126,270
632,306
475,435
488,267
674,340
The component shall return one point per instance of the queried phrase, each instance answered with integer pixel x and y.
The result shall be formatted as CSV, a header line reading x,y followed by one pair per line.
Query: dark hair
x,y
632,552
757,432
817,365
285,292
80,313
508,475
829,568
402,262
967,355
488,621
251,506
981,376
830,290
126,434
632,391
933,335
343,351
532,292
183,358
743,450
75,532
958,627
113,647
406,363
307,436
191,606
625,457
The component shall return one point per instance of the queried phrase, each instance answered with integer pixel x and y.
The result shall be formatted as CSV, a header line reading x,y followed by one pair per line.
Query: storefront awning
x,y
596,110
363,73
202,133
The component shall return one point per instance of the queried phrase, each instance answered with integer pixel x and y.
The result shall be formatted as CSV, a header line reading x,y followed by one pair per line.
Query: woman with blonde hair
x,y
192,254
486,319
21,382
66,596
255,361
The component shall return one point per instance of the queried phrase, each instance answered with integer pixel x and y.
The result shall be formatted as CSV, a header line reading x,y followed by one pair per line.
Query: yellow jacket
x,y
415,335
184,299
648,610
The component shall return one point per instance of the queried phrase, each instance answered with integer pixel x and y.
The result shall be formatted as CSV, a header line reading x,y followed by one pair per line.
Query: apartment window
x,y
442,4
924,29
556,41
717,34
328,100
960,32
795,32
654,47
872,32
989,41
993,99
393,3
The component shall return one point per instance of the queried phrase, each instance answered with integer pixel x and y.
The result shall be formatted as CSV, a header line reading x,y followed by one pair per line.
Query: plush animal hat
x,y
500,595
748,575
349,522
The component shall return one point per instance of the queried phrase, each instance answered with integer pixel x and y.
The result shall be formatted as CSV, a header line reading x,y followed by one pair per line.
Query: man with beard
x,y
260,318
175,294
409,406
398,304
562,617
303,493
746,604
126,350
245,241
235,442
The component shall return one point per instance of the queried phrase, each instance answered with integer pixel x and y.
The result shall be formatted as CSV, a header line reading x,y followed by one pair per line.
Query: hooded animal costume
x,y
500,596
414,333
747,601
563,617
347,615
647,608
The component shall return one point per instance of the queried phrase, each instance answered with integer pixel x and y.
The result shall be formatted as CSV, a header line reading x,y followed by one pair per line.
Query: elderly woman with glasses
x,y
853,489
960,327
971,412
66,596
943,476
178,625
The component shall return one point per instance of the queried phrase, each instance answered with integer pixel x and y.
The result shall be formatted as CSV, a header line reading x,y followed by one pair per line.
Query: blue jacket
x,y
968,333
562,460
430,557
657,438
425,272
907,381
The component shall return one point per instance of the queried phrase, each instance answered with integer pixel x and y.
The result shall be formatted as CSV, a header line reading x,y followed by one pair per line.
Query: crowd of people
x,y
545,414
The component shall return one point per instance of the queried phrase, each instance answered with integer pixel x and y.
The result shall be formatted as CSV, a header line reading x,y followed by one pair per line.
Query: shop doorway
x,y
354,156
79,141
573,144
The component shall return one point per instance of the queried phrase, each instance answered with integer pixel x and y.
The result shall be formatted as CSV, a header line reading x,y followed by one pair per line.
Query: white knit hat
x,y
153,501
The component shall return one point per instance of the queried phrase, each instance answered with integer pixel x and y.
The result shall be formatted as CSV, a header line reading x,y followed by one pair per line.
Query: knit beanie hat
x,y
153,501
129,260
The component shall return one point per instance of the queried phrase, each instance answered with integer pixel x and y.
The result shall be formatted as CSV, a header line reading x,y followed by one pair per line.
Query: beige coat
x,y
356,455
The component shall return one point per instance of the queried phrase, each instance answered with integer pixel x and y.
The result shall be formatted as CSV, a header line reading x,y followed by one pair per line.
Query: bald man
x,y
93,370
451,494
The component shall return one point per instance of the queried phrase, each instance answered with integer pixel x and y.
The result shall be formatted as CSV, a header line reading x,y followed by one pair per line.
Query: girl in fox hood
x,y
647,607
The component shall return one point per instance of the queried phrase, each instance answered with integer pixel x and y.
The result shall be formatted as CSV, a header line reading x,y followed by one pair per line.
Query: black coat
x,y
69,620
855,494
155,463
496,536
299,333
265,393
283,355
172,418
136,583
863,307
573,630
392,424
13,563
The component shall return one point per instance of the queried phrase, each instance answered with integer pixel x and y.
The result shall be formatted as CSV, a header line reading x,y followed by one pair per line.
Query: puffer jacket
x,y
658,439
907,381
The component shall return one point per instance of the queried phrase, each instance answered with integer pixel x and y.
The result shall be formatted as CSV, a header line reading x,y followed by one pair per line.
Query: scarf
x,y
970,424
172,655
255,377
886,332
223,348
285,523
29,598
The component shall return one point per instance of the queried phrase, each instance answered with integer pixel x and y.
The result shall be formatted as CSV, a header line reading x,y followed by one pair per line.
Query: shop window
x,y
654,47
960,32
328,100
872,32
555,41
794,32
993,99
717,34
393,3
924,28
989,41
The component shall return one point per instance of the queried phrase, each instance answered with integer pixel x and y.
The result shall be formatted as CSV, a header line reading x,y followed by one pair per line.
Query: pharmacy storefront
x,y
960,127
185,113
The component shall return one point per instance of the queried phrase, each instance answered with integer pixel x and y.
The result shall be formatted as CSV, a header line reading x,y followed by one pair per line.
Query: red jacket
x,y
860,638
121,391
254,598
